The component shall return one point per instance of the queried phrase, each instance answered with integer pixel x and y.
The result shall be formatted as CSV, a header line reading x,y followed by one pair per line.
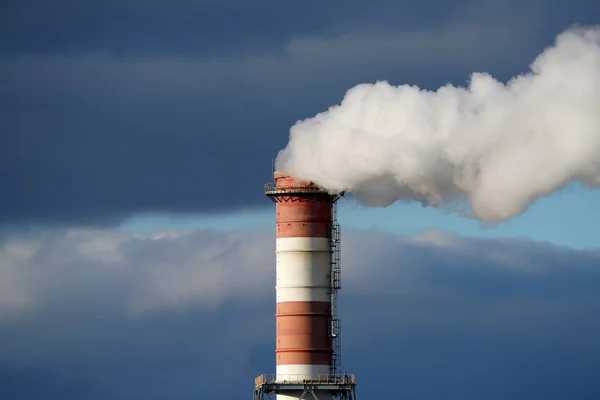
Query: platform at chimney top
x,y
285,185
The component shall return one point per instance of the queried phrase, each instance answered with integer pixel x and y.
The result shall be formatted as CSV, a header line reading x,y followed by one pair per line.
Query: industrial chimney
x,y
307,280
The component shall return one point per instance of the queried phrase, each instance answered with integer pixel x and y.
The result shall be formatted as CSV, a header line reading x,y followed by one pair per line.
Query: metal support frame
x,y
342,387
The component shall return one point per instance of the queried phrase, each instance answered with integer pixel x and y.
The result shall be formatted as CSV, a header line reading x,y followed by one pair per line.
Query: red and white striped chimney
x,y
304,221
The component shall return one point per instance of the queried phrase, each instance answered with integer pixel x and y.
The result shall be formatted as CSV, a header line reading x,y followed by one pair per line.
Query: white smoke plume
x,y
495,147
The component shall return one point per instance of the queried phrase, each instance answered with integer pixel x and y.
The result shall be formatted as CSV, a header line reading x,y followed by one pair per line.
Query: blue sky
x,y
562,218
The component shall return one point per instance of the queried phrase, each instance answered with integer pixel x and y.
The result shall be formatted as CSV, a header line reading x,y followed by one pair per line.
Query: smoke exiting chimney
x,y
492,147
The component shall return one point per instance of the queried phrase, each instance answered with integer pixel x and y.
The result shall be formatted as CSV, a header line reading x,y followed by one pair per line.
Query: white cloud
x,y
13,296
142,272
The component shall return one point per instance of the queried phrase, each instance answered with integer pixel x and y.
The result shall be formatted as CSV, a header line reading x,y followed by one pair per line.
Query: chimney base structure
x,y
308,333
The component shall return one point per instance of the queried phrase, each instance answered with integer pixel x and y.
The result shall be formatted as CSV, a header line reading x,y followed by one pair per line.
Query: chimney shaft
x,y
307,280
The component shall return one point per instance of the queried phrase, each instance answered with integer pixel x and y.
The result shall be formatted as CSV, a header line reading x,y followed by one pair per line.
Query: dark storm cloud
x,y
188,27
96,314
112,108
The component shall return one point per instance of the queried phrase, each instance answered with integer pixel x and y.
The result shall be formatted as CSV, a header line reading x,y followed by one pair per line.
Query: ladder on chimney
x,y
336,284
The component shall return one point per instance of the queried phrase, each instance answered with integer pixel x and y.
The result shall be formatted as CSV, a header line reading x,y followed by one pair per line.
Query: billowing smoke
x,y
490,149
